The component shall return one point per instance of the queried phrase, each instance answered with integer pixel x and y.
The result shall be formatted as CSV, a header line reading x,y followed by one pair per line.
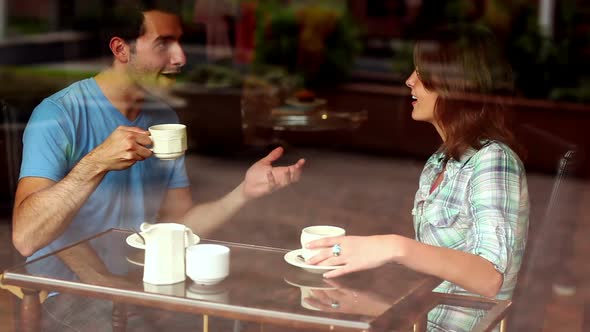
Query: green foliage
x,y
276,76
215,76
224,76
403,60
37,81
291,37
543,65
276,37
580,93
458,10
26,25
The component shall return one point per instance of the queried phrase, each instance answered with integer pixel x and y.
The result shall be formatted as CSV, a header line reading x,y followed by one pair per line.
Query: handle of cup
x,y
150,136
189,240
144,226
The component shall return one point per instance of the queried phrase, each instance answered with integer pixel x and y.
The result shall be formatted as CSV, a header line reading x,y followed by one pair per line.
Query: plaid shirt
x,y
480,207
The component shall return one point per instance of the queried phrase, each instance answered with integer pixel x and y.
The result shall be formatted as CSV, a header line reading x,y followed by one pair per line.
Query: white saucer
x,y
292,258
135,241
133,262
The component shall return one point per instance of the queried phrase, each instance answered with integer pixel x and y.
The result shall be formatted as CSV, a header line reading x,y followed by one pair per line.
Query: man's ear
x,y
121,50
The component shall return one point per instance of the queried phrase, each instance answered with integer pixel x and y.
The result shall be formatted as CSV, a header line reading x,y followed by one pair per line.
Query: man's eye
x,y
161,46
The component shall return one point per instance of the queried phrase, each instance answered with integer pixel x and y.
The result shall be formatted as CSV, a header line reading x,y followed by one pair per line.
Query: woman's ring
x,y
335,305
336,250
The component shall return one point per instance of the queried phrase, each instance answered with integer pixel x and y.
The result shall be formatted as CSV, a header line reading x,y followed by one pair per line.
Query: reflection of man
x,y
96,262
86,162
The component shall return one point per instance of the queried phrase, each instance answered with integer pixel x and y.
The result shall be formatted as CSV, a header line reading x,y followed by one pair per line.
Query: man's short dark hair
x,y
126,21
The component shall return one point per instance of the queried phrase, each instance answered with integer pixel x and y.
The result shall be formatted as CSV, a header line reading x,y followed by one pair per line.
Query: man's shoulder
x,y
68,99
77,89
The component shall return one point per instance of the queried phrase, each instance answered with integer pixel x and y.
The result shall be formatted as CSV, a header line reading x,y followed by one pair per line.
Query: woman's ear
x,y
121,50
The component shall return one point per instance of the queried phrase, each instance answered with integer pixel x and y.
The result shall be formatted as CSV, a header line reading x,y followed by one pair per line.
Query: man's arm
x,y
261,179
83,260
176,204
43,208
202,218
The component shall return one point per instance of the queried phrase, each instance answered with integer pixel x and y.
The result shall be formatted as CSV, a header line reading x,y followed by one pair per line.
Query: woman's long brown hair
x,y
465,67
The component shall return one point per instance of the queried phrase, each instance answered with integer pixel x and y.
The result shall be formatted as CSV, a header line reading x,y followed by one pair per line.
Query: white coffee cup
x,y
169,140
312,233
207,264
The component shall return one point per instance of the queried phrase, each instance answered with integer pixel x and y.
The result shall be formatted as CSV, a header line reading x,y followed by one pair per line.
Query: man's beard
x,y
149,79
153,83
157,86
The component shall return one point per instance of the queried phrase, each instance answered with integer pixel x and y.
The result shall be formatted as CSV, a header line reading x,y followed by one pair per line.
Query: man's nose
x,y
178,58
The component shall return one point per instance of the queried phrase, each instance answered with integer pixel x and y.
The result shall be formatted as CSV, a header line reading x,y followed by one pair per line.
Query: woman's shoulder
x,y
495,152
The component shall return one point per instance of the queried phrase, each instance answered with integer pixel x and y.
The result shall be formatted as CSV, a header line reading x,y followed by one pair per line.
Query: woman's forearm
x,y
471,272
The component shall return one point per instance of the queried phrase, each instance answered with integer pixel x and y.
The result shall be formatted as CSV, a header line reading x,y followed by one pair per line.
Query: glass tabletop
x,y
262,284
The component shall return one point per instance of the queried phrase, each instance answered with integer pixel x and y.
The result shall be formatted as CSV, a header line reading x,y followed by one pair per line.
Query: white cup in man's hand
x,y
312,233
169,140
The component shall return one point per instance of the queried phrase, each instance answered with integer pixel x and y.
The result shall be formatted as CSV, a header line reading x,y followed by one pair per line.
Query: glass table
x,y
262,287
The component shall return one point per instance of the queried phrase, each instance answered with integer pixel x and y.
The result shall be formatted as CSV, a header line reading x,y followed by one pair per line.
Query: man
x,y
87,165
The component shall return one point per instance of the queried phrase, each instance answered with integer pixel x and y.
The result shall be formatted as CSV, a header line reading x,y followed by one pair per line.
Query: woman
x,y
471,208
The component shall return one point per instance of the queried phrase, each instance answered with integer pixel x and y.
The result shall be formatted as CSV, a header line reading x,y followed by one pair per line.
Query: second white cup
x,y
207,264
312,233
169,140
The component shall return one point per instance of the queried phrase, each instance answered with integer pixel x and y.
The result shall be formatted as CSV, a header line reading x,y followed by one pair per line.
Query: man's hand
x,y
261,178
124,147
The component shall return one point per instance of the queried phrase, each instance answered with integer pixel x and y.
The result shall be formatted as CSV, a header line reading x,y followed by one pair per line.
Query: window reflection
x,y
325,79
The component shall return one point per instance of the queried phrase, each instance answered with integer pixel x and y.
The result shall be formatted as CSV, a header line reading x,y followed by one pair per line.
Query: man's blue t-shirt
x,y
67,126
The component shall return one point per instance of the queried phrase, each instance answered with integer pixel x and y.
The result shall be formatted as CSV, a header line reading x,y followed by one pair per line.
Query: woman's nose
x,y
410,80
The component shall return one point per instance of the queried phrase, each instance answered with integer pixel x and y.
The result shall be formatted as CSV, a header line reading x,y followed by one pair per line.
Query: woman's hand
x,y
357,252
347,300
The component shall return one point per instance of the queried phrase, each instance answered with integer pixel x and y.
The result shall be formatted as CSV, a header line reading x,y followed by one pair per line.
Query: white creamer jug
x,y
164,252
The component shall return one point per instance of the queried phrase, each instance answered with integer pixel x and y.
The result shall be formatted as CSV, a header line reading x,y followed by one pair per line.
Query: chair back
x,y
11,149
550,226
